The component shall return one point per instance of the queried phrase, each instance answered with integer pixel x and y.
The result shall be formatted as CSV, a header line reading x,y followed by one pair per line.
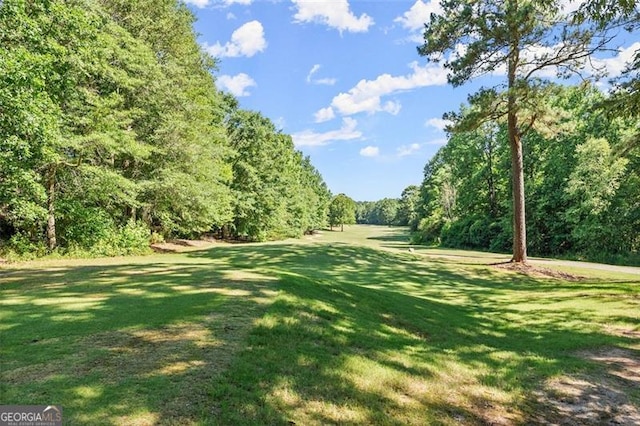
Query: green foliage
x,y
131,239
278,192
499,34
387,211
110,115
342,211
382,212
590,189
344,331
595,178
23,247
408,209
582,192
429,231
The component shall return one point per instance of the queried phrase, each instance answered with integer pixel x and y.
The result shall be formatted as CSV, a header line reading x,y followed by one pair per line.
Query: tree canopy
x,y
113,130
583,196
342,211
478,37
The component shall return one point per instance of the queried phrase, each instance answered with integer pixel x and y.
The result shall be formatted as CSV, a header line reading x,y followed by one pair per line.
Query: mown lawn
x,y
340,328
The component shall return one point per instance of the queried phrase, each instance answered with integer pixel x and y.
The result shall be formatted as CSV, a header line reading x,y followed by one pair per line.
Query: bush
x,y
133,238
456,234
483,233
156,238
22,247
83,227
503,240
89,231
428,232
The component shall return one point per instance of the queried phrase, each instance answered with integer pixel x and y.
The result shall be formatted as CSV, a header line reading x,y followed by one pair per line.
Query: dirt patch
x,y
537,271
178,246
624,364
623,332
601,399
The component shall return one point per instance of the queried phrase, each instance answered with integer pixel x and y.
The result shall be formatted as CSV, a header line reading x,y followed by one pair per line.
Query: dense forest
x,y
582,192
567,155
391,211
114,133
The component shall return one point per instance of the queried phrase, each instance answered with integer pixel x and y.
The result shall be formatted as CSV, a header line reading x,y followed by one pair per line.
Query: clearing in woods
x,y
337,328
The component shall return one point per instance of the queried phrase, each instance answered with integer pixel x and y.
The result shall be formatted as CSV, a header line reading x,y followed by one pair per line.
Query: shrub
x,y
22,247
429,230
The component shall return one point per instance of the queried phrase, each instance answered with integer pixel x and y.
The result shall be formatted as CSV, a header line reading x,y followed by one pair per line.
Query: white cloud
x,y
310,138
230,16
204,3
237,84
617,64
419,14
437,123
280,123
406,150
335,14
366,95
370,151
324,81
536,54
613,66
440,141
198,3
570,6
314,69
245,41
325,114
392,107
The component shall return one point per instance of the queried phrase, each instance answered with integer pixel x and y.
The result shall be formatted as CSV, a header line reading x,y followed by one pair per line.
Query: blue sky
x,y
344,78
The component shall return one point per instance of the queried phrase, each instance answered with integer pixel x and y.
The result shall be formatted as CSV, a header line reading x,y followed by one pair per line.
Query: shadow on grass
x,y
392,234
343,303
124,344
272,334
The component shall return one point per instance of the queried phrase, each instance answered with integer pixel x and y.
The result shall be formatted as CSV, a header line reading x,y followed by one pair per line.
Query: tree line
x,y
113,132
562,160
582,191
401,211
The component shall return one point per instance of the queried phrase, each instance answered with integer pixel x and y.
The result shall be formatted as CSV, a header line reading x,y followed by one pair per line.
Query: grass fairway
x,y
339,328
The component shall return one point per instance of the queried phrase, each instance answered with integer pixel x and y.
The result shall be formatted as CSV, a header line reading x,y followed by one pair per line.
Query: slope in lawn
x,y
329,330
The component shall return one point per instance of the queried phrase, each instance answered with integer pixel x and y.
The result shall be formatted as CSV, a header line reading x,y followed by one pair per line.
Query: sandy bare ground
x,y
598,399
179,246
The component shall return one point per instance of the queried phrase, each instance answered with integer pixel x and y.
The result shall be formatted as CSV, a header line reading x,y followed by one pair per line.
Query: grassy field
x,y
338,328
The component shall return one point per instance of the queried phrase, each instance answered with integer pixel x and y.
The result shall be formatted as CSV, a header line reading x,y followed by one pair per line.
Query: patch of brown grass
x,y
537,271
181,245
597,399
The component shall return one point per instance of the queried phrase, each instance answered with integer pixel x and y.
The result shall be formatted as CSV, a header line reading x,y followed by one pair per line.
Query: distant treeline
x,y
391,211
582,170
113,132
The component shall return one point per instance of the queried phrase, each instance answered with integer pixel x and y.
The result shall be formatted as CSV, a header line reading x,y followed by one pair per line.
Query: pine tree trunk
x,y
517,168
519,221
51,216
